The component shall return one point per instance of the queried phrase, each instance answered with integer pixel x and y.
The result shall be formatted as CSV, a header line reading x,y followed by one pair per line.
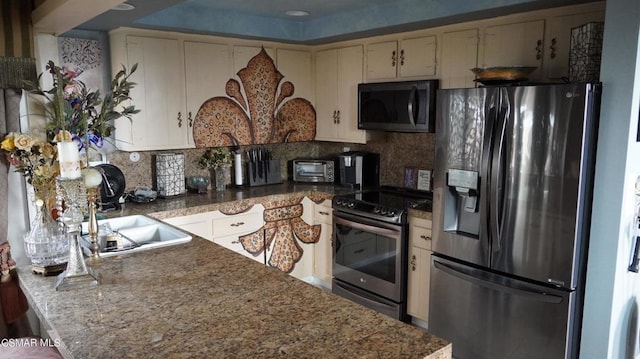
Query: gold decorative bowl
x,y
502,73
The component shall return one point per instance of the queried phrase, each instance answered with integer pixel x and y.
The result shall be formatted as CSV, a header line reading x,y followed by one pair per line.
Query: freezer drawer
x,y
486,315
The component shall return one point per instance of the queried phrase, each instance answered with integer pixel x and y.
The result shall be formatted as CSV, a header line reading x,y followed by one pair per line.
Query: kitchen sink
x,y
132,234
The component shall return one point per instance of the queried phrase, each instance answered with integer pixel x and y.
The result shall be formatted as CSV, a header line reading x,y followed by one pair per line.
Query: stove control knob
x,y
351,204
376,210
383,211
392,212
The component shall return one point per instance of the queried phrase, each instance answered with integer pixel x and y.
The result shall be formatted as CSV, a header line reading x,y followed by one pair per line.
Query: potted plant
x,y
218,161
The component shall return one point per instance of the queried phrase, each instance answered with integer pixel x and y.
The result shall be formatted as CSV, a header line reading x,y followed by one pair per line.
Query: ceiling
x,y
328,20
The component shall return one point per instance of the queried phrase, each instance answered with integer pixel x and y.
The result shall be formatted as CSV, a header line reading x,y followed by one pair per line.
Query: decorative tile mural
x,y
281,232
262,117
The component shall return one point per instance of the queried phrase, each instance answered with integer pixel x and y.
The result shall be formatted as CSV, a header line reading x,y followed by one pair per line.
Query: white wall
x,y
610,325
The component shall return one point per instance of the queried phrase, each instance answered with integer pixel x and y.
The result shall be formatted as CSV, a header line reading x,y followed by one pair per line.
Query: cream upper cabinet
x,y
558,41
207,70
337,75
519,44
296,67
414,57
459,56
159,93
418,278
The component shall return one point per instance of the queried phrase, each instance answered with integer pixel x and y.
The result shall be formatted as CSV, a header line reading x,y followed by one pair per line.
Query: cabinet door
x,y
326,82
159,94
417,57
295,66
519,44
382,60
232,243
323,260
418,283
559,41
207,70
349,76
459,56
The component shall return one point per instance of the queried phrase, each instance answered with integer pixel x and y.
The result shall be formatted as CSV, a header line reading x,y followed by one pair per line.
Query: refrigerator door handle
x,y
495,211
451,269
487,154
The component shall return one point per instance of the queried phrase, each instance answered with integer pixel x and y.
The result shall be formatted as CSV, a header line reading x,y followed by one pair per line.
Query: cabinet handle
x,y
338,117
179,119
393,58
539,50
190,120
426,238
413,262
401,57
237,224
235,242
335,116
553,48
323,213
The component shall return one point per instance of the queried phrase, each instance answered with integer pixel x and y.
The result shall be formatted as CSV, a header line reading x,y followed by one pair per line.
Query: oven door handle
x,y
385,231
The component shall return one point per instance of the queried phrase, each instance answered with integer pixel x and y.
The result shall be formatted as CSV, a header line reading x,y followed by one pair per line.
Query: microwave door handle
x,y
410,105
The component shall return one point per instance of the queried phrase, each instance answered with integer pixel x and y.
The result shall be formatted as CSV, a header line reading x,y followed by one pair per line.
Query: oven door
x,y
370,254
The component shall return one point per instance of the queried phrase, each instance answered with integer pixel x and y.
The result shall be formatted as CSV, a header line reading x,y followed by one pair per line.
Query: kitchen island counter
x,y
201,300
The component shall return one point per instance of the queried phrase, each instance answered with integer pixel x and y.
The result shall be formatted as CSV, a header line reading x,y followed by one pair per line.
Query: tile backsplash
x,y
397,152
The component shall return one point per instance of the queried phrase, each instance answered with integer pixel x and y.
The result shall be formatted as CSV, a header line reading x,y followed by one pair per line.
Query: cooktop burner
x,y
388,204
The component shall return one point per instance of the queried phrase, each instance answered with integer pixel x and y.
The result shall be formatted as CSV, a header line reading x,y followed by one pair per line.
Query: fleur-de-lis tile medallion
x,y
262,117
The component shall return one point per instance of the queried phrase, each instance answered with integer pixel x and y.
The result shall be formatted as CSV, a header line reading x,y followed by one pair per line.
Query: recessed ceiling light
x,y
297,13
123,7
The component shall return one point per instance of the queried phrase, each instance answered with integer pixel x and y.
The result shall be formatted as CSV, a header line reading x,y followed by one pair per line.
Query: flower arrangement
x,y
214,158
36,160
75,114
84,114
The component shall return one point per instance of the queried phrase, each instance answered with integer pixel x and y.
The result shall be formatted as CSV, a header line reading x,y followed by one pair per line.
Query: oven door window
x,y
366,252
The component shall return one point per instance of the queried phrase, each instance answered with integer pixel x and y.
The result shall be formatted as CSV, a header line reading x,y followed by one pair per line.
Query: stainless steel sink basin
x,y
132,234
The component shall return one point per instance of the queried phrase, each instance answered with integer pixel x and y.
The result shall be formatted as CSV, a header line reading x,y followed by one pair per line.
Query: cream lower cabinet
x,y
419,268
323,255
227,230
200,224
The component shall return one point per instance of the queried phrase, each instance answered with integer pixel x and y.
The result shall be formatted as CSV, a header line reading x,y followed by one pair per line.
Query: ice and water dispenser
x,y
461,201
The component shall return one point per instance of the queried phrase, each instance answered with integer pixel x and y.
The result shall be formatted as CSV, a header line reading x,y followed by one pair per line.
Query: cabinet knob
x,y
401,57
190,120
237,224
393,58
426,238
552,47
179,119
539,50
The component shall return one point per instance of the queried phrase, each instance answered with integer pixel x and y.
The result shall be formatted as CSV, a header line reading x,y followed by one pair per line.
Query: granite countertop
x,y
199,299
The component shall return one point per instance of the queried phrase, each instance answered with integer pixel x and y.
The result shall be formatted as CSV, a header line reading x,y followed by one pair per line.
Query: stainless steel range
x,y
370,234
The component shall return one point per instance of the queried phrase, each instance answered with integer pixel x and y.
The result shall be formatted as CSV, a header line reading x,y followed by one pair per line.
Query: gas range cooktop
x,y
388,204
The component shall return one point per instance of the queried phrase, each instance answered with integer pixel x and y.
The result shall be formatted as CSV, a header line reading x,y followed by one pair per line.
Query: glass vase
x,y
46,244
220,174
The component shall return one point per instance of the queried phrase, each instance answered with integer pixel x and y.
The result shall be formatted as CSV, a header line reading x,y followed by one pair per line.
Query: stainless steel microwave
x,y
314,170
406,106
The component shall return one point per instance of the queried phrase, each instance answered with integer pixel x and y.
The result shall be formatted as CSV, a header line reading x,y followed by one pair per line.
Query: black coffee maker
x,y
359,169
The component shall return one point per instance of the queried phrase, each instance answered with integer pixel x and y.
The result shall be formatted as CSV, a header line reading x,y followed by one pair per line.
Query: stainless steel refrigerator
x,y
512,203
